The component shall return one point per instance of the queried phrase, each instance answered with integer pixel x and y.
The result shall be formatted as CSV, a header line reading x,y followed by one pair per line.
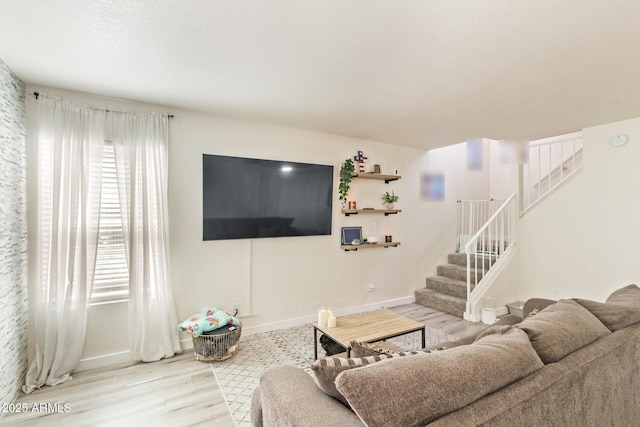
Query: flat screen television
x,y
253,198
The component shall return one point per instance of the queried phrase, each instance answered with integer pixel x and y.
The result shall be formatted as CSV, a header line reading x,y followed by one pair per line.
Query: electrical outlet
x,y
372,287
236,306
554,293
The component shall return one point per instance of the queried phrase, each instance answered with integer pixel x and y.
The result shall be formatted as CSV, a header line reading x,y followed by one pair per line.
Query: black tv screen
x,y
253,198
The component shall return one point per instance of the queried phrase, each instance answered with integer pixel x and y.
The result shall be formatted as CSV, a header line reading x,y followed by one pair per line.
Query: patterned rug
x,y
238,376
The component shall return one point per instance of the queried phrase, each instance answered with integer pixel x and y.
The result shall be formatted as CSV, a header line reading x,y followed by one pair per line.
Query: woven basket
x,y
217,346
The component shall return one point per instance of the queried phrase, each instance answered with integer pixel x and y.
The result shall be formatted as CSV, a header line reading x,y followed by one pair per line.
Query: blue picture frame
x,y
351,233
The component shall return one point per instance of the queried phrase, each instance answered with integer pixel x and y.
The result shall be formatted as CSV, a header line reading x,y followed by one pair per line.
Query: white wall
x,y
283,281
584,240
279,279
503,177
441,217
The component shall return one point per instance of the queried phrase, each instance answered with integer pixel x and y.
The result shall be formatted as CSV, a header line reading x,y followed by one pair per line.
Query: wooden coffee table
x,y
367,327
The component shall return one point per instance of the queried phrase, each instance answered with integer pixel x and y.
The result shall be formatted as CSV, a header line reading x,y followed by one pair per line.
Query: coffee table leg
x,y
423,337
315,343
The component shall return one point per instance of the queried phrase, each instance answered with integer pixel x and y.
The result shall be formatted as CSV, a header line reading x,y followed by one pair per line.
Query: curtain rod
x,y
37,94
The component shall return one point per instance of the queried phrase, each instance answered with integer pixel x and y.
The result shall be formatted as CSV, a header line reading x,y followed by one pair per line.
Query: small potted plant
x,y
346,175
389,199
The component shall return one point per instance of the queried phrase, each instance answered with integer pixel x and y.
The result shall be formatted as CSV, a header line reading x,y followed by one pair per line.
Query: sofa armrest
x,y
288,396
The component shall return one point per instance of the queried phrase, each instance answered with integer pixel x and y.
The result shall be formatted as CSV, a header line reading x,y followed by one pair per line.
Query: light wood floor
x,y
176,392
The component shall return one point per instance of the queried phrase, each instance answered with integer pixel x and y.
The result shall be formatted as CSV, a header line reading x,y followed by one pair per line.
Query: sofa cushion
x,y
413,391
562,328
326,370
360,349
621,309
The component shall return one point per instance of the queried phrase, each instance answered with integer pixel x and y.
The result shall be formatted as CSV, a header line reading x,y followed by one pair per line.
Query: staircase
x,y
448,290
468,273
486,237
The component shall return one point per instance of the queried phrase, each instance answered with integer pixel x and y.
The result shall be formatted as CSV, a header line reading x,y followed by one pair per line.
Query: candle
x,y
322,317
327,315
331,322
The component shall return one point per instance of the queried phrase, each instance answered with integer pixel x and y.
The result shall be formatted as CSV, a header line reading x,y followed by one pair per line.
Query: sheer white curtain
x,y
141,143
70,145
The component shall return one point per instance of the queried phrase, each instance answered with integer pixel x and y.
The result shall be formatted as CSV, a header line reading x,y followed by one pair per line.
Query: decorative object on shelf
x,y
346,175
376,168
349,234
388,238
352,205
390,199
372,240
360,158
352,236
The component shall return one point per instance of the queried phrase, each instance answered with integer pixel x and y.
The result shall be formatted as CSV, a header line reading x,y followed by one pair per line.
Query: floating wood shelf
x,y
348,248
386,212
386,178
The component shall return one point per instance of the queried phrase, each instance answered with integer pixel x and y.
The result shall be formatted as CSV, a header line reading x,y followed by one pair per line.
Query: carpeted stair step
x,y
458,272
448,290
447,303
461,259
448,286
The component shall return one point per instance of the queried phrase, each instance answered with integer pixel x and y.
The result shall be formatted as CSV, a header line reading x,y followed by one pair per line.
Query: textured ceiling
x,y
417,73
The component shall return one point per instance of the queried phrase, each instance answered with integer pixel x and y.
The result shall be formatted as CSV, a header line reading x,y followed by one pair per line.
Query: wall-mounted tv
x,y
253,198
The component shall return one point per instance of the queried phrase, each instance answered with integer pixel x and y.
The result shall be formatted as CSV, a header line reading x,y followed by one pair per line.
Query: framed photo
x,y
351,233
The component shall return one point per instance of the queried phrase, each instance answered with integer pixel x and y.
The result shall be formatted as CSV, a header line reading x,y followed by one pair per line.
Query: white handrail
x,y
551,162
473,214
491,241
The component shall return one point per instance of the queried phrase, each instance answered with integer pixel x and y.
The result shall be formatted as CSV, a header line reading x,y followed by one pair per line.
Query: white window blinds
x,y
111,279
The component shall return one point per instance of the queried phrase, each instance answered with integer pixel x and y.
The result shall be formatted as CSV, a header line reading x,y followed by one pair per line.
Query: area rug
x,y
238,376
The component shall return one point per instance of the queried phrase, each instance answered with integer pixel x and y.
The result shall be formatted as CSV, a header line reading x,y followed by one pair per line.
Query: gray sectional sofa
x,y
574,363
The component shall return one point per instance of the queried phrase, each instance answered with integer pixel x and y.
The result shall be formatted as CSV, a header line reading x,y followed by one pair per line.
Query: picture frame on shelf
x,y
350,234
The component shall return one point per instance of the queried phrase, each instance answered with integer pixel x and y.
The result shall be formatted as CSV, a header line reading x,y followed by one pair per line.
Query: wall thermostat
x,y
618,140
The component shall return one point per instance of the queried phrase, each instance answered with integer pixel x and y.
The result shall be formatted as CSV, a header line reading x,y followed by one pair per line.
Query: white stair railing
x,y
485,250
472,215
551,162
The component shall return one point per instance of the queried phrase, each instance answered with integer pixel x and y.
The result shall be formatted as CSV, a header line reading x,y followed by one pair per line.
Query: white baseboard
x,y
314,317
186,342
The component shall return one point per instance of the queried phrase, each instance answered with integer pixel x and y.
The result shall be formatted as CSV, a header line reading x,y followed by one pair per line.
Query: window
x,y
111,279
